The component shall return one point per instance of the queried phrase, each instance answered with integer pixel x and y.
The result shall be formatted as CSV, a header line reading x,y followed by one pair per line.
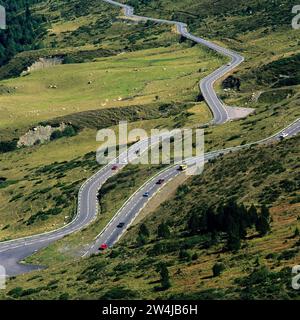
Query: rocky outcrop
x,y
43,63
37,135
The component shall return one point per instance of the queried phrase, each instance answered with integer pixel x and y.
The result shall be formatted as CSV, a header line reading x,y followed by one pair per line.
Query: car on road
x,y
283,135
146,195
160,181
121,225
114,168
182,167
103,247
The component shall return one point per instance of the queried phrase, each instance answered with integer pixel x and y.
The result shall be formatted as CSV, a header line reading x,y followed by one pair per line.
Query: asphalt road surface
x,y
217,107
134,205
13,252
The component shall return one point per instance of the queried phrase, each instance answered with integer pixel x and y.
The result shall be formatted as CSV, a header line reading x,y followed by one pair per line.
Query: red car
x,y
115,167
103,247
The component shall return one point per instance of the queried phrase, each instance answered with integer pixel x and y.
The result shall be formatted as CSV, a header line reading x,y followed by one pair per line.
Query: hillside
x,y
221,18
139,93
25,29
119,81
129,270
79,31
213,233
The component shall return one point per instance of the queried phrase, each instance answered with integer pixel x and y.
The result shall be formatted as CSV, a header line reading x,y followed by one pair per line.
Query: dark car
x,y
121,225
160,181
115,167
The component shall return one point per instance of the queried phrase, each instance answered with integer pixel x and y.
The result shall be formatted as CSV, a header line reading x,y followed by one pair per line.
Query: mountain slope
x,y
129,270
155,84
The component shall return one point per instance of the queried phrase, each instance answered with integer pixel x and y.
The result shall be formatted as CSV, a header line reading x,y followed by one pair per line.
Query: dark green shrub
x,y
218,268
16,292
7,146
56,135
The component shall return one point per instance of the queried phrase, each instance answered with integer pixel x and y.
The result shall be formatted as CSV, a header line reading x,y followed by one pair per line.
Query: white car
x,y
284,135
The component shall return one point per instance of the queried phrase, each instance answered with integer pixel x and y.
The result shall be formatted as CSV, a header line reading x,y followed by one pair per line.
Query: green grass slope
x,y
147,88
139,78
80,31
261,268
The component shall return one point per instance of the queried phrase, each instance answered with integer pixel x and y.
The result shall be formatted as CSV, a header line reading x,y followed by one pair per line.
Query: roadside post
x,y
2,18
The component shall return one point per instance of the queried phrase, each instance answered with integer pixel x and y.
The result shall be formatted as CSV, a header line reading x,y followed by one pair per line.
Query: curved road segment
x,y
217,107
134,205
14,251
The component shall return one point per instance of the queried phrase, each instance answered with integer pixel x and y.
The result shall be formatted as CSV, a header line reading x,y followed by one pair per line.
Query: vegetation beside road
x,y
156,87
150,99
197,261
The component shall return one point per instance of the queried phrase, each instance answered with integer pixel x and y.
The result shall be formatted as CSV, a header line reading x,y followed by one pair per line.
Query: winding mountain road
x,y
14,251
135,204
220,114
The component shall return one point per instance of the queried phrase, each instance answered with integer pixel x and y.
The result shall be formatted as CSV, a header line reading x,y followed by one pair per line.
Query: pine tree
x,y
263,222
253,216
211,220
233,240
164,276
220,218
243,221
22,30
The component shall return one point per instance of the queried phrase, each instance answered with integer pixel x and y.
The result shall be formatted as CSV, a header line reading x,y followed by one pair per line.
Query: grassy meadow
x,y
165,75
